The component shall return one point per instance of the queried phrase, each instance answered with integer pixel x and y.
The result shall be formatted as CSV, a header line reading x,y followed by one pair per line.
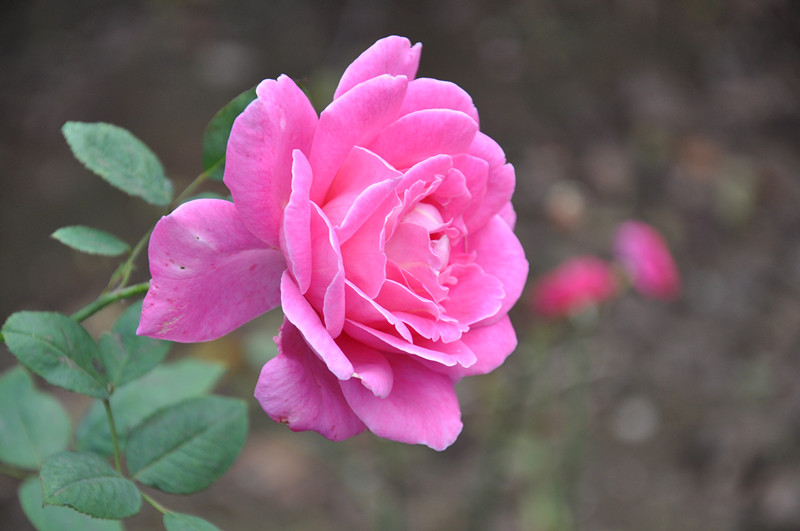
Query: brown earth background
x,y
645,416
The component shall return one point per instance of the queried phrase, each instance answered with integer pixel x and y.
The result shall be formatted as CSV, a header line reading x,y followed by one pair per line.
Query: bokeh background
x,y
644,415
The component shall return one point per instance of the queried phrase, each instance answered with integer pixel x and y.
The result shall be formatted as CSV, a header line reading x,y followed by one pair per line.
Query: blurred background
x,y
645,415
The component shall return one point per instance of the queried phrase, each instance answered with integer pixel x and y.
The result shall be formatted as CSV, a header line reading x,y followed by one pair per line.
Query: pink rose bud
x,y
646,258
384,229
573,286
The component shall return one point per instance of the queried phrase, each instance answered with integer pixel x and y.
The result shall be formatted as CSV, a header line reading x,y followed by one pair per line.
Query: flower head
x,y
575,285
384,229
646,258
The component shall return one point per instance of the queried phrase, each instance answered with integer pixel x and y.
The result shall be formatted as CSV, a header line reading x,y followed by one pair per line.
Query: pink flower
x,y
385,230
645,256
573,286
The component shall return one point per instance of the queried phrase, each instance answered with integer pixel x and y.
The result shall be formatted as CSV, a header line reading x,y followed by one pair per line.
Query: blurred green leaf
x,y
89,240
120,158
127,356
54,518
165,385
88,484
186,522
56,348
33,425
186,447
215,138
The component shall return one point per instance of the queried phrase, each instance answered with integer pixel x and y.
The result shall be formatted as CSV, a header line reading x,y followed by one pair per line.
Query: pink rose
x,y
384,229
645,256
573,286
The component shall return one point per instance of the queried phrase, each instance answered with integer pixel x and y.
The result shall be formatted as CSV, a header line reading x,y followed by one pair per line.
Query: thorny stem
x,y
113,429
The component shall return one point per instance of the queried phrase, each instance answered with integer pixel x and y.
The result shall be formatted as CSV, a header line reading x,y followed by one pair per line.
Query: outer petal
x,y
392,55
300,313
499,184
258,165
498,251
427,93
295,387
421,409
492,344
422,134
354,119
210,275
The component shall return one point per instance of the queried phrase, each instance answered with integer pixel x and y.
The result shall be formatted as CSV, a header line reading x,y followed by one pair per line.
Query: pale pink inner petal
x,y
391,55
258,165
296,388
421,409
210,274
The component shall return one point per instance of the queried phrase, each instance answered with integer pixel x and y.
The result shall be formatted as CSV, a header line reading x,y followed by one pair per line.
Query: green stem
x,y
160,508
107,298
113,429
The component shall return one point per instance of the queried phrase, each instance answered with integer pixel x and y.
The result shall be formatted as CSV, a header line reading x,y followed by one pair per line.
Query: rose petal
x,y
476,295
499,183
491,344
427,93
364,309
370,366
423,134
300,313
258,164
421,409
354,119
391,55
447,354
210,275
498,251
296,227
326,289
295,387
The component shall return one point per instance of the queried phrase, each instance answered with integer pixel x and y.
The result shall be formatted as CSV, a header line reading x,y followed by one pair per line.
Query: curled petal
x,y
370,366
210,274
258,164
421,409
295,387
427,93
296,227
499,182
300,313
491,344
392,55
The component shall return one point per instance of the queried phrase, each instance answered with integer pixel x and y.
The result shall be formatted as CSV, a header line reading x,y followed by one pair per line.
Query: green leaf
x,y
120,158
187,522
33,425
88,484
186,447
56,348
53,518
89,240
165,385
127,356
215,139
